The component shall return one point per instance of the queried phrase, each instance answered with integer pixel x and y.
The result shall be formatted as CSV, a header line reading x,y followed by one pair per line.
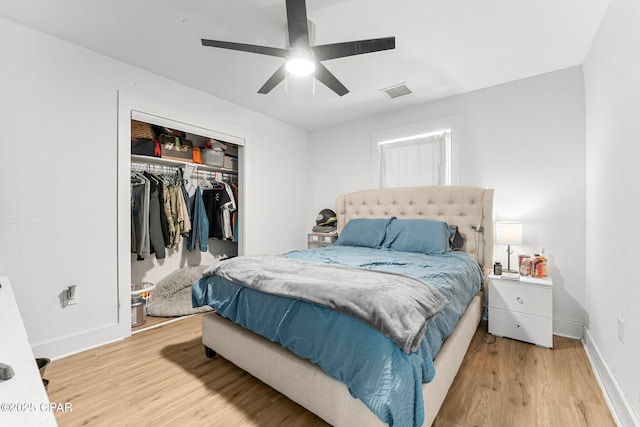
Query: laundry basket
x,y
140,298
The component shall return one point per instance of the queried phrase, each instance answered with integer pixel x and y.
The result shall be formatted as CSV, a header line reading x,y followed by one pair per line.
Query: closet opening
x,y
167,168
184,217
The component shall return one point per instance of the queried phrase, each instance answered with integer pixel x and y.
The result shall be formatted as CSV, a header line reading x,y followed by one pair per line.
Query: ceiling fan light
x,y
300,66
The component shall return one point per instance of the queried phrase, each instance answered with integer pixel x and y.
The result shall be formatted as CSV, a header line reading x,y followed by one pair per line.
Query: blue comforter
x,y
387,380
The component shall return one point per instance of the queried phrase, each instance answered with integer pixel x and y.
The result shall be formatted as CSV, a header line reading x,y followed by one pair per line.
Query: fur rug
x,y
172,295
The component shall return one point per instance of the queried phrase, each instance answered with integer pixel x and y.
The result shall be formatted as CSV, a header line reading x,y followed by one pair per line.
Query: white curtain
x,y
414,162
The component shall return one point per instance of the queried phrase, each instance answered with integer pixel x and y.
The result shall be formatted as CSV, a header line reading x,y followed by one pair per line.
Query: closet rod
x,y
157,167
142,167
188,174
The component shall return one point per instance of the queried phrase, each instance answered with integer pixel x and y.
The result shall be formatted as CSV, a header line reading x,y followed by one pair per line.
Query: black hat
x,y
326,217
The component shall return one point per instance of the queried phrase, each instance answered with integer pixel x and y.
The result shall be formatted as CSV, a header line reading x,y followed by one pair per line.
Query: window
x,y
423,159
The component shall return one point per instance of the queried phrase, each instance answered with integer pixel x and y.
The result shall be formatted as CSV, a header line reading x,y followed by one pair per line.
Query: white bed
x,y
469,208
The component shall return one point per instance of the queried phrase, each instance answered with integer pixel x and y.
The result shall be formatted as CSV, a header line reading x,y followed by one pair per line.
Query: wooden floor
x,y
504,382
161,377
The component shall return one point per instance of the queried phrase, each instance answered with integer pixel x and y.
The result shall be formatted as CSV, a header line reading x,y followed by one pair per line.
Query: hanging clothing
x,y
176,214
234,216
164,223
214,199
187,204
183,215
171,224
156,238
162,212
227,210
140,189
200,224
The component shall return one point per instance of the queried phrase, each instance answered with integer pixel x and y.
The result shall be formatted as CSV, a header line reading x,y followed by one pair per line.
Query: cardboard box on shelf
x,y
230,163
232,150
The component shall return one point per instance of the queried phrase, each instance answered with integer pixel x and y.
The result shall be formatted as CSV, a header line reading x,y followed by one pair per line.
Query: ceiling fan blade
x,y
274,80
297,24
329,80
340,50
264,50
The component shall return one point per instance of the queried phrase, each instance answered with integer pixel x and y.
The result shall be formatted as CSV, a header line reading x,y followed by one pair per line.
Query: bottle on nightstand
x,y
497,268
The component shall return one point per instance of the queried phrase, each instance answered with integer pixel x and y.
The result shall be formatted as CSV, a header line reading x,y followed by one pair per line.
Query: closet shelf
x,y
135,158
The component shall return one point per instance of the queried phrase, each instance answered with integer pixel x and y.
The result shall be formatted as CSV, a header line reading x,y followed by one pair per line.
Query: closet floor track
x,y
154,322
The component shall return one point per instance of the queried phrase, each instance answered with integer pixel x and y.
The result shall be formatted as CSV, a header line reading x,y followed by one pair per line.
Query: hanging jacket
x,y
140,189
155,229
171,224
199,224
176,214
183,215
187,204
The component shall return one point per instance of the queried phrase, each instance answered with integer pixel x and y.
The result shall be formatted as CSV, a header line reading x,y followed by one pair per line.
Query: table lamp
x,y
509,233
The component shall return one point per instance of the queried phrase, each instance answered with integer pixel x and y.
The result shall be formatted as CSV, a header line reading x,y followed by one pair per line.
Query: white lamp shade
x,y
508,233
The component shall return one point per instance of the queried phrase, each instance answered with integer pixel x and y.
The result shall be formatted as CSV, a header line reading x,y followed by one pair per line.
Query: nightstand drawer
x,y
313,245
520,326
316,240
530,299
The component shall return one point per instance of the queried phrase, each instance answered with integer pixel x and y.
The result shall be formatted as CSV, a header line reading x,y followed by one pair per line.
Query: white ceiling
x,y
443,47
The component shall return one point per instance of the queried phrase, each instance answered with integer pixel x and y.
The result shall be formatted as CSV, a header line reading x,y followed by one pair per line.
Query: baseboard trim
x,y
568,328
77,343
615,397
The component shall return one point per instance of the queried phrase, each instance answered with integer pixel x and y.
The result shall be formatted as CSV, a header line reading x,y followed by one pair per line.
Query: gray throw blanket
x,y
398,306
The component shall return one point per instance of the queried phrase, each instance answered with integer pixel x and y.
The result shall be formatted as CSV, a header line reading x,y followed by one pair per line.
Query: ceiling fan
x,y
303,59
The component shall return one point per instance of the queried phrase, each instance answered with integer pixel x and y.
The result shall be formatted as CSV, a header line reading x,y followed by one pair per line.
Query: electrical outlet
x,y
621,329
71,295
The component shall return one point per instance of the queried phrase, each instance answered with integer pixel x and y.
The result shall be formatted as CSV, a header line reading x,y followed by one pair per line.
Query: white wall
x,y
525,139
612,94
58,181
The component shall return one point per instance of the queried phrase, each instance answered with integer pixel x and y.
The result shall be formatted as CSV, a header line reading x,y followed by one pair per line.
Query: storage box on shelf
x,y
213,157
230,163
176,148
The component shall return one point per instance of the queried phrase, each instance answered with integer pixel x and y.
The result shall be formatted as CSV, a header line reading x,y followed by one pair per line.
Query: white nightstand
x,y
522,309
318,240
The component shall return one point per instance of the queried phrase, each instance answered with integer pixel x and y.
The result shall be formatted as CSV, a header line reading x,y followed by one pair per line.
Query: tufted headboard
x,y
465,207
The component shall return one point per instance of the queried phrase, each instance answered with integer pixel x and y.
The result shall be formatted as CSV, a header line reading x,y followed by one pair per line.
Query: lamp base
x,y
509,258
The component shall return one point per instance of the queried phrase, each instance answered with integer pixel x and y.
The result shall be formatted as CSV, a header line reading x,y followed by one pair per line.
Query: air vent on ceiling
x,y
397,90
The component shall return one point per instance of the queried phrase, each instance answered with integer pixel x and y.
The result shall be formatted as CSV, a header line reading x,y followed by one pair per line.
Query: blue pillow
x,y
424,236
366,232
